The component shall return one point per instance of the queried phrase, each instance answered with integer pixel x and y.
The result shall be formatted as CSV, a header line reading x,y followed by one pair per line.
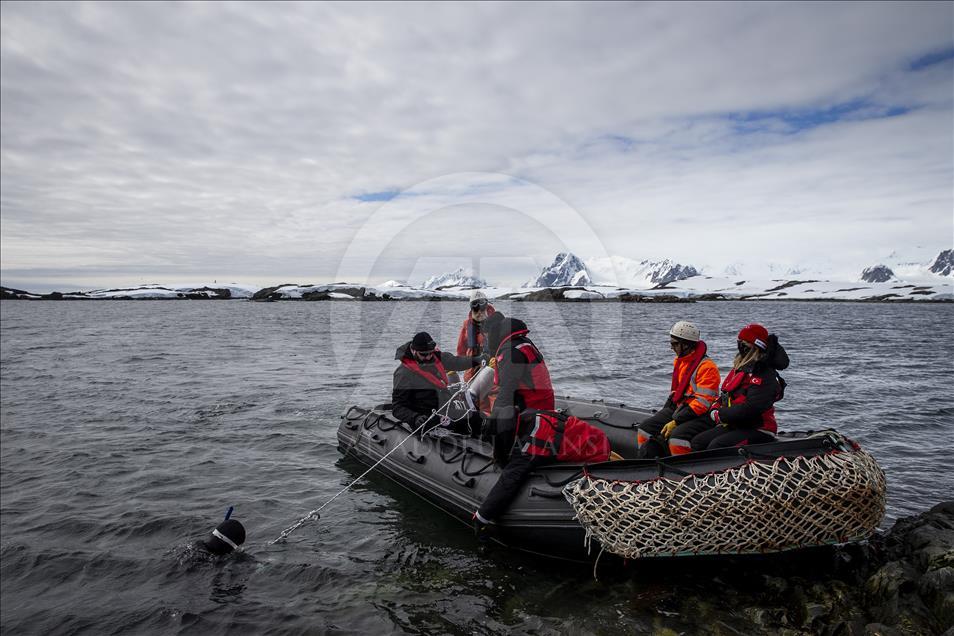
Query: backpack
x,y
567,438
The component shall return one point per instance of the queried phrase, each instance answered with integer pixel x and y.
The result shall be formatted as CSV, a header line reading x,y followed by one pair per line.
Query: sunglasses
x,y
478,305
423,356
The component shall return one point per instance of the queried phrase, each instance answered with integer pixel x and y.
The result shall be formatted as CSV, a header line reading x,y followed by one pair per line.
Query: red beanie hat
x,y
755,334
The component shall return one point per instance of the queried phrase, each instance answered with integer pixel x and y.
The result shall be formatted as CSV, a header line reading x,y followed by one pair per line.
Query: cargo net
x,y
757,507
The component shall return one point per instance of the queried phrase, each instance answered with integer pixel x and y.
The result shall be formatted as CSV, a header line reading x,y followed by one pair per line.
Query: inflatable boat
x,y
804,489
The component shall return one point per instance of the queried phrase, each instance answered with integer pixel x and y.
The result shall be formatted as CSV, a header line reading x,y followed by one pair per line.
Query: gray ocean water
x,y
127,429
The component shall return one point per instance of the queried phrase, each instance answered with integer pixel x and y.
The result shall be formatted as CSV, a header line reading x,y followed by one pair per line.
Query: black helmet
x,y
227,536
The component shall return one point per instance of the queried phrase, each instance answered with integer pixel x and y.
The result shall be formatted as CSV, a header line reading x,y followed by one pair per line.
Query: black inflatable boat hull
x,y
456,473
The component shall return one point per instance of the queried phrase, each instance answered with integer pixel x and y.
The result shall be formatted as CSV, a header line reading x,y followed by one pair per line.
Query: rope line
x,y
314,514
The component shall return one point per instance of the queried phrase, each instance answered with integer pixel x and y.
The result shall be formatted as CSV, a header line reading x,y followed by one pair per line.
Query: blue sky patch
x,y
799,120
931,59
383,195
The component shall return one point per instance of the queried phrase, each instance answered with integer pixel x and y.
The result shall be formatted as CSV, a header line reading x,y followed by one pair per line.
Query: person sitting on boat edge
x,y
472,340
524,386
695,387
421,383
745,410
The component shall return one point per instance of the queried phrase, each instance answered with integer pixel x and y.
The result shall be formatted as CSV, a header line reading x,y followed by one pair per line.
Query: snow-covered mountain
x,y
626,272
943,265
917,264
458,278
565,270
877,274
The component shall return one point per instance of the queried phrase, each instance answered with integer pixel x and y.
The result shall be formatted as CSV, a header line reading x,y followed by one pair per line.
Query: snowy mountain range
x,y
626,272
458,278
895,277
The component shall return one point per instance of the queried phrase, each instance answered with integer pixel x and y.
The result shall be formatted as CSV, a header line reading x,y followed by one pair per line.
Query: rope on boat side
x,y
314,514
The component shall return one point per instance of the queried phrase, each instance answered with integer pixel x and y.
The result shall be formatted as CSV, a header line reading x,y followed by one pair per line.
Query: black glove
x,y
420,419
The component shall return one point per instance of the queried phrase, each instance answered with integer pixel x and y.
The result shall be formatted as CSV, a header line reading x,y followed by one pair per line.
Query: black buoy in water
x,y
227,536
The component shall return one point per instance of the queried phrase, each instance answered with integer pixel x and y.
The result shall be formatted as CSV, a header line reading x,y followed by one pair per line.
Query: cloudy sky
x,y
269,143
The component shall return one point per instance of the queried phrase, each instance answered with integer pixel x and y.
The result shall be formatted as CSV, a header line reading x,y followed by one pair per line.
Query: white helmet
x,y
685,331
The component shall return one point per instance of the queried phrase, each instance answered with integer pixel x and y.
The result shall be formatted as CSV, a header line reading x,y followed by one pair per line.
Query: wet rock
x,y
878,629
882,592
936,589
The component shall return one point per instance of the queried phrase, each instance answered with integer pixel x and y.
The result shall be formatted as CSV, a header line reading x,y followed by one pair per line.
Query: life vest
x,y
565,438
734,389
440,380
695,380
471,340
538,393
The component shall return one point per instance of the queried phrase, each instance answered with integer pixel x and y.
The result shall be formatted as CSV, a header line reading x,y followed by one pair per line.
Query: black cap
x,y
423,342
226,537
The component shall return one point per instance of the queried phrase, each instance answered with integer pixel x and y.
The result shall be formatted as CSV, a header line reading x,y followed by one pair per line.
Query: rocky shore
x,y
901,583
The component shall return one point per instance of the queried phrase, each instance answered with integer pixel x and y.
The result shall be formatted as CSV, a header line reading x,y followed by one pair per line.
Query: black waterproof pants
x,y
680,436
722,437
508,484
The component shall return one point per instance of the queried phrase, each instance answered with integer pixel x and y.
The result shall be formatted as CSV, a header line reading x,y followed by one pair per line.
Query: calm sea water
x,y
129,427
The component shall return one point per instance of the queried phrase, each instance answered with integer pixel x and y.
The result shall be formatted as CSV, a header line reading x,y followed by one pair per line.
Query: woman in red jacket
x,y
745,410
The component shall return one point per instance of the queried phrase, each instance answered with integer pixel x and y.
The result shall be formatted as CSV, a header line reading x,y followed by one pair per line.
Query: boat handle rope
x,y
455,454
480,471
315,514
563,482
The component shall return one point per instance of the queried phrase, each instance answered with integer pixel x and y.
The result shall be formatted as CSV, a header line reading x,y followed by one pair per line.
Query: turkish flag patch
x,y
756,380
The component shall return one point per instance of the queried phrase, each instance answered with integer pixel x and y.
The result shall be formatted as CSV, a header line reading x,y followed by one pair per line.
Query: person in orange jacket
x,y
472,340
695,387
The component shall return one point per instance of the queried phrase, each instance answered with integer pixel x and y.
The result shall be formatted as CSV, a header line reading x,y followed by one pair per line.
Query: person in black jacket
x,y
745,410
421,383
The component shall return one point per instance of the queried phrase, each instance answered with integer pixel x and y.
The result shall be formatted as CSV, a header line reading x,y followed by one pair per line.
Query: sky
x,y
274,143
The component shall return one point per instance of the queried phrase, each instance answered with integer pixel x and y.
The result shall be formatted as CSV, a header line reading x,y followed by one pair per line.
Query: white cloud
x,y
231,139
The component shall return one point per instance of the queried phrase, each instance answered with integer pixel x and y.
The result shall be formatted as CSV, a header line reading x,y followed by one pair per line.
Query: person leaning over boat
x,y
745,411
523,379
420,383
695,387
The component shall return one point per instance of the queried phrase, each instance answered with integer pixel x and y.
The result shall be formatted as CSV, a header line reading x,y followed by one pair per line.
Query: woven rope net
x,y
757,507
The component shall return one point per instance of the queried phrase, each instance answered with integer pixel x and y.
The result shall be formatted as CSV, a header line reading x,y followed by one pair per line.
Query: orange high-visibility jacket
x,y
702,389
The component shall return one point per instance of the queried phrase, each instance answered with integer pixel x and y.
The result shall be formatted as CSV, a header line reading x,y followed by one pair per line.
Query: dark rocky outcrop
x,y
902,582
943,264
877,274
654,298
270,293
9,293
668,272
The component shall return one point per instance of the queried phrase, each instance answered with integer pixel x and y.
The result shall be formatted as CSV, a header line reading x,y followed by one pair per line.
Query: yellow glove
x,y
492,363
668,428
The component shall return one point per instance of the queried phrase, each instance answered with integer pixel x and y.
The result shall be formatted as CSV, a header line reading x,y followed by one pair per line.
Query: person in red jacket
x,y
472,340
523,380
695,387
745,410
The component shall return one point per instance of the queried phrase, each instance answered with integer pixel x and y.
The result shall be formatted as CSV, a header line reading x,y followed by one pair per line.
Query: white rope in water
x,y
314,513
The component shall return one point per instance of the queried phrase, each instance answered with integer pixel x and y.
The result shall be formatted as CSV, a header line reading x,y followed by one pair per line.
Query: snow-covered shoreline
x,y
694,288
